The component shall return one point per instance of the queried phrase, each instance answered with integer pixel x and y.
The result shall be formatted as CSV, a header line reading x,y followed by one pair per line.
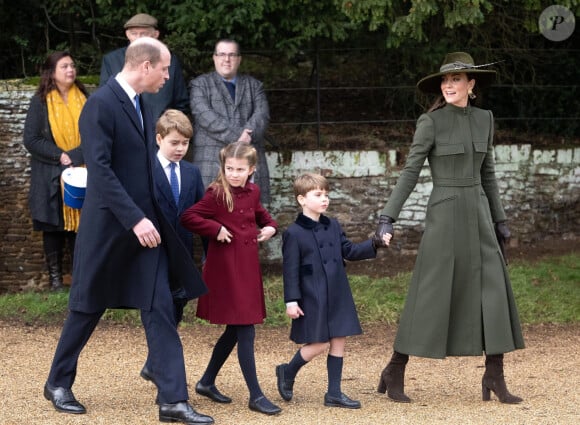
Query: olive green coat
x,y
460,300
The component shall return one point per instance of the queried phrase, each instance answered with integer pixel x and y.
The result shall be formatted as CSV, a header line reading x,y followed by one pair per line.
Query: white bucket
x,y
75,184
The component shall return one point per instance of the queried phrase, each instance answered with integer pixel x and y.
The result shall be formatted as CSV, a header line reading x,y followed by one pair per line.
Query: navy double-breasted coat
x,y
315,276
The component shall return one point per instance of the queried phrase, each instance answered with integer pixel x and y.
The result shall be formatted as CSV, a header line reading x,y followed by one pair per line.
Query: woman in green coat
x,y
460,301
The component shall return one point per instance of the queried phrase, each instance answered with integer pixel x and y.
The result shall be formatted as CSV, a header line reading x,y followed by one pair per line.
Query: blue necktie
x,y
174,183
231,88
138,108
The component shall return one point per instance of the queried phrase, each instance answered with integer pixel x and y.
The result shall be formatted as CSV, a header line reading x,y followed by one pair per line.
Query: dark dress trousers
x,y
111,269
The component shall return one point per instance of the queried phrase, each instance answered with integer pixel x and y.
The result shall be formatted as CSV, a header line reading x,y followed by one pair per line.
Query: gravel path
x,y
546,374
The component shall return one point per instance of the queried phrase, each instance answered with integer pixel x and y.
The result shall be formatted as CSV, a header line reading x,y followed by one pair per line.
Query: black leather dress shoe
x,y
63,400
182,412
285,388
211,392
342,401
147,375
263,405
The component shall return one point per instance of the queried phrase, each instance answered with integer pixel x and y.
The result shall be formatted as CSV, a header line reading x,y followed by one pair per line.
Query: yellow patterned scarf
x,y
64,125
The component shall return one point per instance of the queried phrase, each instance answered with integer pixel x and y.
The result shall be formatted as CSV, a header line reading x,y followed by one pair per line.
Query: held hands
x,y
224,235
266,233
503,236
147,233
294,311
384,232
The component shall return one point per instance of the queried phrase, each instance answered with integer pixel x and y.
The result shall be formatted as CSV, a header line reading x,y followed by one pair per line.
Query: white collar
x,y
164,161
126,87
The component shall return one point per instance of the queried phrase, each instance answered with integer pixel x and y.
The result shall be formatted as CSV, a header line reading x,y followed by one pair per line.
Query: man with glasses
x,y
229,107
174,94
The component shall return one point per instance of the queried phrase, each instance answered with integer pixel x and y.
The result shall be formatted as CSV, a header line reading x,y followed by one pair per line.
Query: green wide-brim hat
x,y
453,63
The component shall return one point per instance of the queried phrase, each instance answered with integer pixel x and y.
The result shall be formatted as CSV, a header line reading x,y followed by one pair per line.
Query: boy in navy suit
x,y
174,131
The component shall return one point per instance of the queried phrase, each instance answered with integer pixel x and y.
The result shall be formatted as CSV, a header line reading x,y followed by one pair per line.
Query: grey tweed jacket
x,y
219,120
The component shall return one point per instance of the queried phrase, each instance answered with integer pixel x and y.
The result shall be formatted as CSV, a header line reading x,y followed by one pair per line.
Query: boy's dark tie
x,y
174,183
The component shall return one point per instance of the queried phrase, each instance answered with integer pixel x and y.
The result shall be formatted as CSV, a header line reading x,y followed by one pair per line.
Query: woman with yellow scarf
x,y
51,135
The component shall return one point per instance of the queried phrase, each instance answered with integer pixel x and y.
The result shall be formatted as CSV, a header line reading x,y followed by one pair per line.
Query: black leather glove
x,y
385,226
502,233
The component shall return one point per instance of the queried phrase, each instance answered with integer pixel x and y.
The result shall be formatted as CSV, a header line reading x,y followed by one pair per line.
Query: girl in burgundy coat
x,y
229,215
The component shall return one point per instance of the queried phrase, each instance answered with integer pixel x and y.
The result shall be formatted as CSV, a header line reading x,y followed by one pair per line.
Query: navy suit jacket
x,y
111,269
192,190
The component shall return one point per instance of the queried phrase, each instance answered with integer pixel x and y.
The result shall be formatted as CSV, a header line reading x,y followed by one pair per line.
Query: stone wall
x,y
540,189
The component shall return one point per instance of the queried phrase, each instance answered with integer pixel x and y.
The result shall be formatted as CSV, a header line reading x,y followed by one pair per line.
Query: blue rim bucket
x,y
75,184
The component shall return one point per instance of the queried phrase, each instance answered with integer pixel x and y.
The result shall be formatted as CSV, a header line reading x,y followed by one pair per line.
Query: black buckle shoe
x,y
211,392
342,401
63,400
285,388
263,405
182,412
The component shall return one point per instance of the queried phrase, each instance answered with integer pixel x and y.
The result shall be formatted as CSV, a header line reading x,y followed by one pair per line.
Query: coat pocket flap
x,y
448,149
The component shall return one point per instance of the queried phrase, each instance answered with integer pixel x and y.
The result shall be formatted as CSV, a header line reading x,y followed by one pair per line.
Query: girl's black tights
x,y
244,336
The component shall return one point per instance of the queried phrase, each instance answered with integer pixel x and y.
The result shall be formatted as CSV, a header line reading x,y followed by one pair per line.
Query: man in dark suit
x,y
174,93
229,107
126,253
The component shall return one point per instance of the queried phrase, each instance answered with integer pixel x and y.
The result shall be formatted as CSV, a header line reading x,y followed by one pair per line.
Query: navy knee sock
x,y
334,367
294,366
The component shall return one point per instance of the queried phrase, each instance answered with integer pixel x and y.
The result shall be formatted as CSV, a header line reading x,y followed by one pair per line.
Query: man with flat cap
x,y
174,94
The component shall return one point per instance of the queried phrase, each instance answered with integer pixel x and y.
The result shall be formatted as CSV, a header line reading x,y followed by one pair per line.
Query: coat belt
x,y
465,182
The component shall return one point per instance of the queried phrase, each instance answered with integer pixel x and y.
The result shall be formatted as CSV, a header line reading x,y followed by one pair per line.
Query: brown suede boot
x,y
493,380
393,378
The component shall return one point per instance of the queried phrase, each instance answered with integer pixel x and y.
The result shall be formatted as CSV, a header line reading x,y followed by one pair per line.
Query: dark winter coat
x,y
45,198
460,300
111,268
315,276
232,270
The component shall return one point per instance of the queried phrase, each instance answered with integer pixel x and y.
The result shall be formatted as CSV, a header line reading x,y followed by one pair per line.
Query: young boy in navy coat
x,y
316,289
173,133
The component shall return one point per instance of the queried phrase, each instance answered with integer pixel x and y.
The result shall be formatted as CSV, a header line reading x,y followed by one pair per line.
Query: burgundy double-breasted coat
x,y
232,270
